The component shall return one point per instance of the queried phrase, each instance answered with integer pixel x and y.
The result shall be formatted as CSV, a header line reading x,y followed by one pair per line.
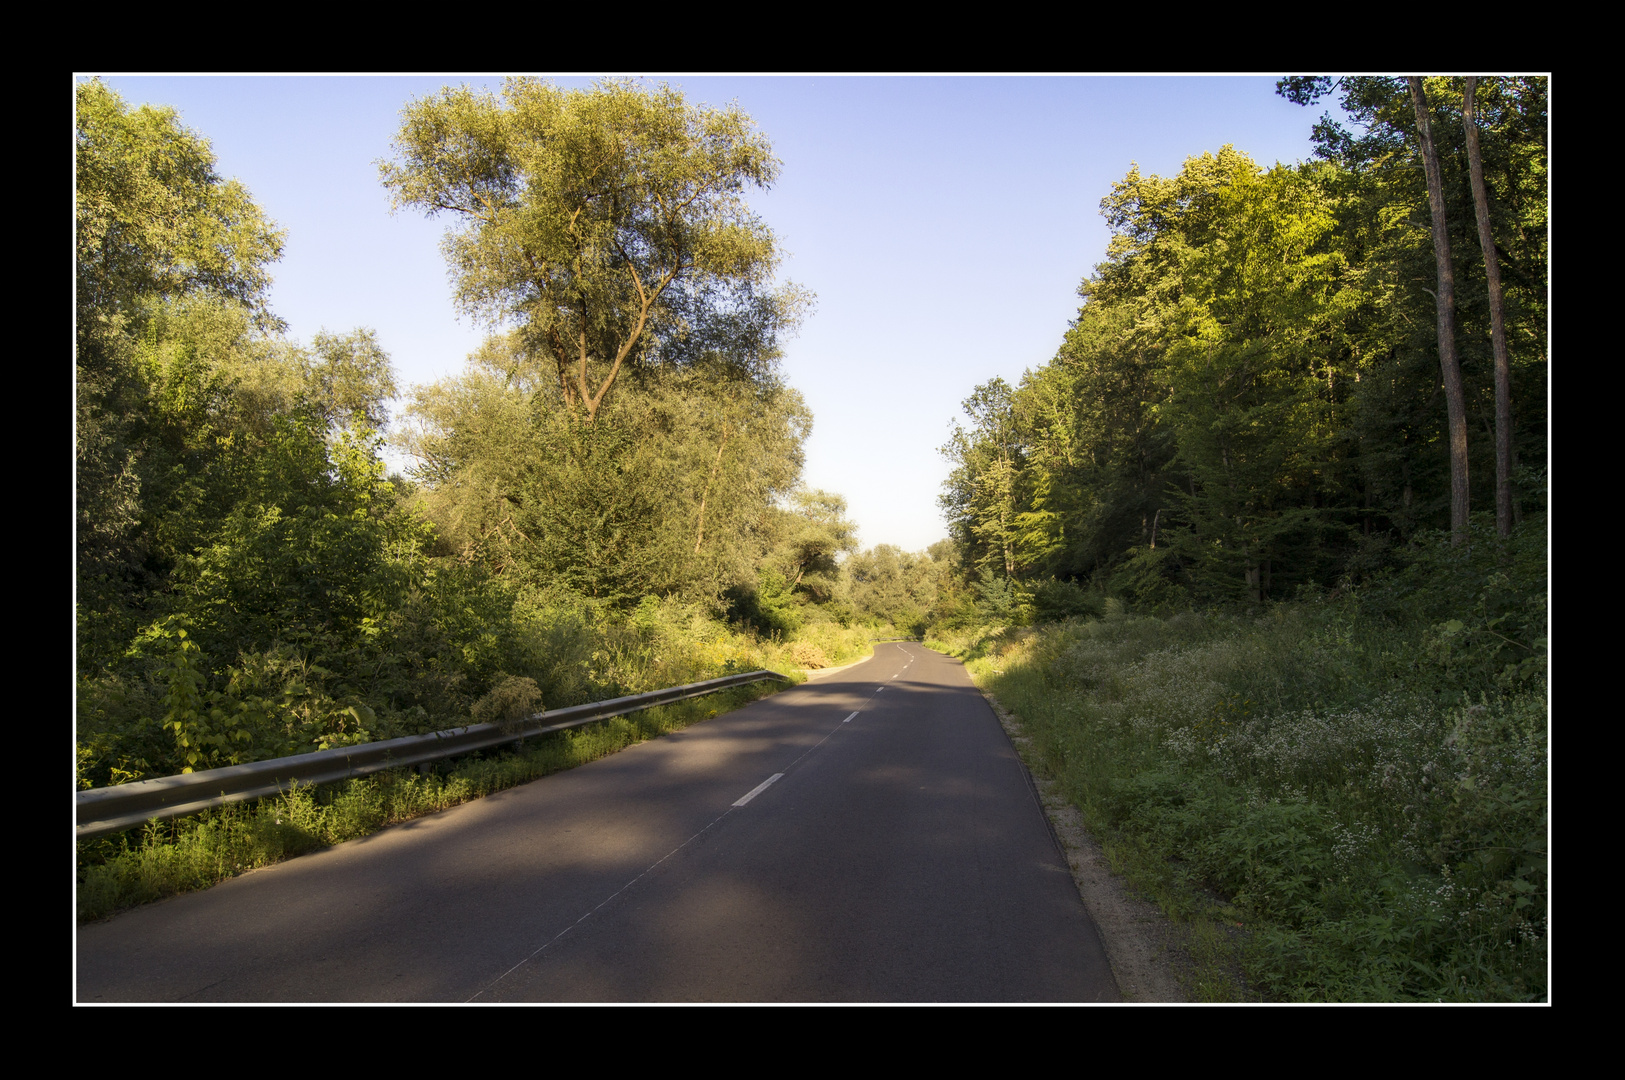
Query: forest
x,y
1251,404
606,500
1264,547
1258,558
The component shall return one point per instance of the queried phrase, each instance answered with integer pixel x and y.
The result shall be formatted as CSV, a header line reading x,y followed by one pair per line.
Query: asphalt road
x,y
895,853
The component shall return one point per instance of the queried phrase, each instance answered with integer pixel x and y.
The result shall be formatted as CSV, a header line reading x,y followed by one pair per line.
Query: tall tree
x,y
161,241
152,218
980,497
608,225
1251,377
1498,334
1445,305
1402,432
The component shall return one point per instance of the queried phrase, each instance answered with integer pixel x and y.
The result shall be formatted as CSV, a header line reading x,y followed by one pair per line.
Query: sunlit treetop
x,y
608,225
153,218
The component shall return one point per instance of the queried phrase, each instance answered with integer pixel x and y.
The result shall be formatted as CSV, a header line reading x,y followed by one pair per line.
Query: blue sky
x,y
943,222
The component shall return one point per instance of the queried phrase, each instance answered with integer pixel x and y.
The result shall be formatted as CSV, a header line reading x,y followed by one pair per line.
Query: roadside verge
x,y
1142,944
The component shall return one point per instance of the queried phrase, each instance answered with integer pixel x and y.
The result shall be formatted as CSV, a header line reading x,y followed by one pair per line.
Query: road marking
x,y
848,720
878,689
608,899
758,789
655,865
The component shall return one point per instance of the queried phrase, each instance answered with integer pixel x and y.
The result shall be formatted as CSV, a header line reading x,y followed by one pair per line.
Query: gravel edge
x,y
1142,944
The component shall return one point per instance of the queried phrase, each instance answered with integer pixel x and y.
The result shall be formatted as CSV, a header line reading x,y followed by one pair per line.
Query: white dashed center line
x,y
758,789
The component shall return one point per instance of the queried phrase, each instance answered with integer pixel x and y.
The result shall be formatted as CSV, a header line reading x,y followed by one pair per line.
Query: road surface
x,y
868,836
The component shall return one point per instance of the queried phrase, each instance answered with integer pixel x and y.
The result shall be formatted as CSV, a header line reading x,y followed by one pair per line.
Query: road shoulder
x,y
1141,943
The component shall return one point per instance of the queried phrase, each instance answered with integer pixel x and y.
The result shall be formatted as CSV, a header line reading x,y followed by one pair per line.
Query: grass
x,y
1321,798
166,858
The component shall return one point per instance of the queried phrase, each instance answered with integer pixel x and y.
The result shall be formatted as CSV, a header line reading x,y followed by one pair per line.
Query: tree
x,y
669,492
893,585
1386,219
608,225
1252,378
814,533
1107,464
161,241
1498,333
1445,303
349,379
1188,431
153,218
979,497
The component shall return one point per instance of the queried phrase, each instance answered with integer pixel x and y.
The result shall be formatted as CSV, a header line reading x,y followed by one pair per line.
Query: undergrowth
x,y
171,706
1346,797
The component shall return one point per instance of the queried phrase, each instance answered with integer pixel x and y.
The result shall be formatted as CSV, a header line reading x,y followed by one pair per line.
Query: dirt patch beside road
x,y
1143,945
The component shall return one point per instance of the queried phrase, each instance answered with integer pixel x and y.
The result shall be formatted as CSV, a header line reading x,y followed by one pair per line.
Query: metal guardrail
x,y
111,809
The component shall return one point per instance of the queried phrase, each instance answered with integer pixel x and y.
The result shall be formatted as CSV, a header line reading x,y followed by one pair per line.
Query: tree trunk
x,y
1498,333
699,533
1445,305
1251,578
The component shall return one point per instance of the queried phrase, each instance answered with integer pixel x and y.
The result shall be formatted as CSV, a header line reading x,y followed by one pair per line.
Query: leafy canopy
x,y
607,225
152,217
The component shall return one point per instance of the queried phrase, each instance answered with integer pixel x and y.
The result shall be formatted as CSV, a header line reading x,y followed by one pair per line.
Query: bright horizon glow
x,y
944,222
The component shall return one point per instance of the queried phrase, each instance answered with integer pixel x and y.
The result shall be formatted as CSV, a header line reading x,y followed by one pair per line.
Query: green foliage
x,y
813,533
509,704
152,218
980,497
1365,795
999,602
307,543
1485,603
590,507
893,586
348,379
204,731
249,585
769,606
598,222
1152,579
1383,210
669,491
1057,601
1245,407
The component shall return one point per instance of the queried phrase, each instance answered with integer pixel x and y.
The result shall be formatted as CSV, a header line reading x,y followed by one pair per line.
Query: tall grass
x,y
1366,798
